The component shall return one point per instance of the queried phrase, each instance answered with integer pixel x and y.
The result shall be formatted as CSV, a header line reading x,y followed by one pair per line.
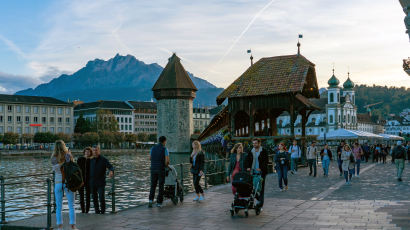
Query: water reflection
x,y
131,181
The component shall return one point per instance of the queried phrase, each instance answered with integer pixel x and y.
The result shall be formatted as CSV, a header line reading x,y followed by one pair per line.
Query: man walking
x,y
399,156
98,169
159,157
311,157
358,153
295,155
366,150
339,156
259,165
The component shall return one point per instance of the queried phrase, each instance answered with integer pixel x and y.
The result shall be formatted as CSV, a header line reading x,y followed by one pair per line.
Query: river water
x,y
131,181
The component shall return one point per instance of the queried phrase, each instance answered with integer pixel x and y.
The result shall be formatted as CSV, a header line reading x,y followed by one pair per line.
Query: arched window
x,y
331,119
338,97
331,97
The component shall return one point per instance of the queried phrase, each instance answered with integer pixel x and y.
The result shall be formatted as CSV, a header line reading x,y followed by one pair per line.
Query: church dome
x,y
333,81
348,84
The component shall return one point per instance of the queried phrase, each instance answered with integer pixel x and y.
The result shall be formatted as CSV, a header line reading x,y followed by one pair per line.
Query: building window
x,y
338,97
52,129
44,120
331,119
9,129
52,120
1,119
60,120
44,129
18,118
122,119
122,127
35,109
67,120
44,109
27,119
27,130
1,108
10,108
27,108
52,110
35,119
331,97
60,130
67,111
67,130
60,111
126,120
18,109
19,130
130,127
9,119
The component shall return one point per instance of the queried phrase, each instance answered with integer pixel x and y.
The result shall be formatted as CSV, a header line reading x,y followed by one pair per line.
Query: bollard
x,y
3,201
182,176
113,194
205,172
48,204
54,195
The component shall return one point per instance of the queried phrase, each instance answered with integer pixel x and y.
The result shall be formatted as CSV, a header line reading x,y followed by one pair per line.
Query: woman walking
x,y
326,155
237,163
348,163
197,161
282,165
61,155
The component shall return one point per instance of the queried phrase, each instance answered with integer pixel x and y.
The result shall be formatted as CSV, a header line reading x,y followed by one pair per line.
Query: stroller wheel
x,y
174,200
236,210
246,213
257,211
232,213
181,197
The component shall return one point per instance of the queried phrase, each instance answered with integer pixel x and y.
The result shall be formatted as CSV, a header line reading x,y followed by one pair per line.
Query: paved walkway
x,y
373,201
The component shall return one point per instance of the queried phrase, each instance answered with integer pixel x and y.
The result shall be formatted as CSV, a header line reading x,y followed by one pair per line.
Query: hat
x,y
398,142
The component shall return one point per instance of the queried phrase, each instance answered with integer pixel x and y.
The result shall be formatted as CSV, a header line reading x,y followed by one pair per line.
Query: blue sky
x,y
40,40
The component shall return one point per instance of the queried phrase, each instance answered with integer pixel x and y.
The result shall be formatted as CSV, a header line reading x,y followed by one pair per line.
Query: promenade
x,y
374,201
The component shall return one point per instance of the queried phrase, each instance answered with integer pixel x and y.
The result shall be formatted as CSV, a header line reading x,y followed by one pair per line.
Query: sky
x,y
39,40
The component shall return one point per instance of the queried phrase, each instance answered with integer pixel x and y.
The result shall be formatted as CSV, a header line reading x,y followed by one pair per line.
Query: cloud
x,y
13,47
10,83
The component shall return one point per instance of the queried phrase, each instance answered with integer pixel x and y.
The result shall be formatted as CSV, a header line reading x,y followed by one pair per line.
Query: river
x,y
131,181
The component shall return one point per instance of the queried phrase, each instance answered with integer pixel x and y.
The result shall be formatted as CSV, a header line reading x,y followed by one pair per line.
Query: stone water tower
x,y
175,91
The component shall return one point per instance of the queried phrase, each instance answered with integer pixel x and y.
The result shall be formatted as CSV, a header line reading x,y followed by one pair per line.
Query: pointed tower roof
x,y
333,81
348,83
174,76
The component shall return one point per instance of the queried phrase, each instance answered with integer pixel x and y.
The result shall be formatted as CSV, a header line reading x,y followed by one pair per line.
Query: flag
x,y
249,51
300,35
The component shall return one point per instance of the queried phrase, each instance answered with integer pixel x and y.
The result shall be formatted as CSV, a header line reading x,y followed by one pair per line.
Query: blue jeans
x,y
294,164
312,163
282,175
399,167
325,165
357,167
348,174
58,192
339,163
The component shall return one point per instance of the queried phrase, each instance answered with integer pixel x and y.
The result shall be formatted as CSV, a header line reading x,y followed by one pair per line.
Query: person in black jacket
x,y
282,160
84,163
197,160
98,168
258,163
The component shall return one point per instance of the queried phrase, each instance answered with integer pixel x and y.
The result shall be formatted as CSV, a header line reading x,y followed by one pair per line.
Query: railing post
x,y
182,176
48,204
224,170
205,172
54,196
3,201
113,194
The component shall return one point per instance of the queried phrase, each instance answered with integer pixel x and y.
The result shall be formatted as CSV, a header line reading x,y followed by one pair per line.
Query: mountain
x,y
119,78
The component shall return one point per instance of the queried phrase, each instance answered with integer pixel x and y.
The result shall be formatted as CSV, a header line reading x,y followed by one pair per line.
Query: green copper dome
x,y
348,84
333,81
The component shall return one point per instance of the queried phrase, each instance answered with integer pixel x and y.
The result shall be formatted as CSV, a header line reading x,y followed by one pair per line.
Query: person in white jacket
x,y
311,155
295,155
348,163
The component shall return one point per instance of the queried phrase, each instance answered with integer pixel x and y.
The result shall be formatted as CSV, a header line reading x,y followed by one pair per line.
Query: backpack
x,y
72,176
351,158
400,152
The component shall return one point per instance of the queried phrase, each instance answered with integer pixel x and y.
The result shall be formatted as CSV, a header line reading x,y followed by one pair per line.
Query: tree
x,y
89,138
106,137
142,137
44,138
118,138
130,138
152,137
27,137
65,137
105,121
82,125
10,138
1,138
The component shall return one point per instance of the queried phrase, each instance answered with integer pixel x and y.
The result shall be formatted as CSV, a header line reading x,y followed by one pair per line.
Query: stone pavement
x,y
373,201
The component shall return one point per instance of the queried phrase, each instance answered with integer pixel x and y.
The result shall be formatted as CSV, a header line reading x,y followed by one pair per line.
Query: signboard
x,y
36,125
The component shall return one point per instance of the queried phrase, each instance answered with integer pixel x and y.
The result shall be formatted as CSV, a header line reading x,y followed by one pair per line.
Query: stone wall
x,y
175,122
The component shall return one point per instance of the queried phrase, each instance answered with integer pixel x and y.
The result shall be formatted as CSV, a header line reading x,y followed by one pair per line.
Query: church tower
x,y
175,91
333,109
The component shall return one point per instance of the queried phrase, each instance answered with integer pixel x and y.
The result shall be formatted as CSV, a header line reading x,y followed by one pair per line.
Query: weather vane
x,y
249,51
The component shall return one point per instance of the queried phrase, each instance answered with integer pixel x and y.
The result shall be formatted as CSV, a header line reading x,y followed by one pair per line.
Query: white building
x,y
145,117
400,124
338,110
202,118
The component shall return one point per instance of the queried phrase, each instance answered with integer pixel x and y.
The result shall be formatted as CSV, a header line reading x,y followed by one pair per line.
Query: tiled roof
x,y
20,99
174,76
319,102
273,75
104,105
143,104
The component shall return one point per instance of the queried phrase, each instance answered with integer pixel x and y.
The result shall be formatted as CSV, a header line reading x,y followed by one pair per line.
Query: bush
x,y
44,137
65,137
10,138
89,138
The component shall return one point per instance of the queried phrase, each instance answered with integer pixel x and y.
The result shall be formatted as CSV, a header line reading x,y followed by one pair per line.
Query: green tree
x,y
130,138
27,137
142,137
44,138
152,137
63,136
118,138
82,125
106,137
1,138
105,121
89,138
10,138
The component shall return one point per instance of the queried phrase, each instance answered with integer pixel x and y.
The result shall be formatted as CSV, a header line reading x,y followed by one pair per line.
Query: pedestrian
x,y
258,160
197,160
61,155
295,156
237,163
159,157
282,166
366,150
399,157
377,151
326,155
408,151
339,157
385,152
357,152
391,153
84,191
98,169
348,163
311,157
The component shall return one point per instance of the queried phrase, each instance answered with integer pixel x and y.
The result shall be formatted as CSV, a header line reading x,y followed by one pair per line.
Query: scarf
x,y
255,157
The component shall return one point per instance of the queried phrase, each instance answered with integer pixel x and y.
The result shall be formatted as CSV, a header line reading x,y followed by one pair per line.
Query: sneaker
x,y
201,198
400,179
150,204
281,189
159,205
292,172
346,183
295,172
310,174
286,188
196,198
358,176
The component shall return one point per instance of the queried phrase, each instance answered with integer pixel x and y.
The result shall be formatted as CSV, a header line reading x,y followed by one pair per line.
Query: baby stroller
x,y
173,188
248,187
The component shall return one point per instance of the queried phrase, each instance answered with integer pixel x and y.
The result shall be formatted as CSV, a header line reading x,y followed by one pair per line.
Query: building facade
x,y
337,110
201,117
31,114
145,117
121,110
399,124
